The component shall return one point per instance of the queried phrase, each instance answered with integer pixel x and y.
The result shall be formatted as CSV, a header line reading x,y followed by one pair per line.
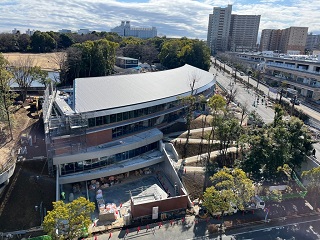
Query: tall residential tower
x,y
219,28
289,40
233,32
243,32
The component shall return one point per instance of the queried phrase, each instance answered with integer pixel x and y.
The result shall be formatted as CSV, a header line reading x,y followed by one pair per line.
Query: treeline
x,y
43,42
94,54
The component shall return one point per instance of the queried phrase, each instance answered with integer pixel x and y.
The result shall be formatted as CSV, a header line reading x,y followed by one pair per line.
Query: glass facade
x,y
138,126
95,163
113,118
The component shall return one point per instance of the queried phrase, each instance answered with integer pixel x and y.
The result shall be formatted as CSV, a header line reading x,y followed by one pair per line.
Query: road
x,y
307,227
305,108
248,97
244,96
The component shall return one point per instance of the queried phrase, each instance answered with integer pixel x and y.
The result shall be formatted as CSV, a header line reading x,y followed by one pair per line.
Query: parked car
x,y
297,102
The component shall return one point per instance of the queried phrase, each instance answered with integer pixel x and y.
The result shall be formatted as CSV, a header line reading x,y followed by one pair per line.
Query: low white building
x,y
125,30
83,31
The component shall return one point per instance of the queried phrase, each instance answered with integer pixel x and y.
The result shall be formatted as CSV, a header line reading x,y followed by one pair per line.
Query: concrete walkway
x,y
197,158
197,130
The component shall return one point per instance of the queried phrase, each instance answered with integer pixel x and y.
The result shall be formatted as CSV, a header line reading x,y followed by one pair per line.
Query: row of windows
x,y
113,118
130,128
107,160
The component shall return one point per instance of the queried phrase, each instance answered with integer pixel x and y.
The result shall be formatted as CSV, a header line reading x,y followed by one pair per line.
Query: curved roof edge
x,y
99,93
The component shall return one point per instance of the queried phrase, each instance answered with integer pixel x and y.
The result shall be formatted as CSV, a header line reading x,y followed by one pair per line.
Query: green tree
x,y
228,131
278,115
90,59
24,42
8,42
272,147
217,105
65,41
230,187
112,37
42,42
5,95
67,220
175,53
313,185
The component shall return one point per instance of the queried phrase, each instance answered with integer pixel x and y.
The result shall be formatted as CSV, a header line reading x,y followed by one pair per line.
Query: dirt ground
x,y
29,191
22,120
25,190
45,60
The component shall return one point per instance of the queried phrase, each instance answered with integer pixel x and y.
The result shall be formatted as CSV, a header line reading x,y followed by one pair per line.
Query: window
x,y
125,115
119,117
99,121
113,118
92,122
106,119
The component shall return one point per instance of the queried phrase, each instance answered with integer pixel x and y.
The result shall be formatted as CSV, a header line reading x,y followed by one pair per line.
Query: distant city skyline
x,y
171,18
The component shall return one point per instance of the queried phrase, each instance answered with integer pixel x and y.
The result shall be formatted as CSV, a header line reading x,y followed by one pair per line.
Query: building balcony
x,y
142,161
293,69
291,81
110,148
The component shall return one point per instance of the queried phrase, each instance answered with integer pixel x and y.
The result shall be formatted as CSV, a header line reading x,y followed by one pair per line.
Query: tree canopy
x,y
24,73
178,52
90,59
313,184
67,220
42,42
272,147
5,95
230,187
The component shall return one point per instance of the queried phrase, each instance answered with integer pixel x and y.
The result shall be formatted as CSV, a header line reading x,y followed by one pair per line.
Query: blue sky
x,y
173,18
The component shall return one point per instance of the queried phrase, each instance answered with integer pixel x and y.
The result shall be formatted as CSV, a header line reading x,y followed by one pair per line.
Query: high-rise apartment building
x,y
292,39
243,32
313,42
233,32
270,39
125,30
219,28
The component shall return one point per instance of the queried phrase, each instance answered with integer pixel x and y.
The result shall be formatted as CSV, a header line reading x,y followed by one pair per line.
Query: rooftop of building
x,y
295,57
127,58
110,92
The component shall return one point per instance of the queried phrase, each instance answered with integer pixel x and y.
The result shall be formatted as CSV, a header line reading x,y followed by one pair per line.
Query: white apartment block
x,y
125,30
83,31
65,31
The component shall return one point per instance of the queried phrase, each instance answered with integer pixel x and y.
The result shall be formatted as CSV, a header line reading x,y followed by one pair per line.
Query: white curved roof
x,y
99,93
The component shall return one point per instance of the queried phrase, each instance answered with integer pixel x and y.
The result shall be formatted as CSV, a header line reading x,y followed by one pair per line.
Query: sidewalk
x,y
198,158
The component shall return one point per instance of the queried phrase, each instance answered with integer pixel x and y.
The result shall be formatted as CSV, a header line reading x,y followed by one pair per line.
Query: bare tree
x,y
232,93
244,112
25,72
190,102
60,59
